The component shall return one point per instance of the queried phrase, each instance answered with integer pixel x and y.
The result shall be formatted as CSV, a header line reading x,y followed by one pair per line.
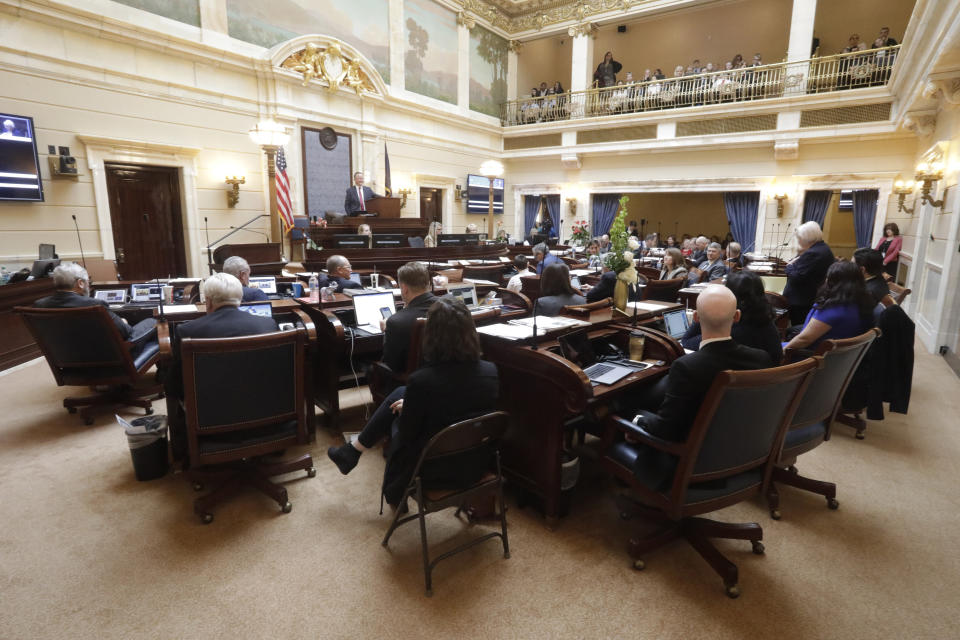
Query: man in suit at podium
x,y
358,196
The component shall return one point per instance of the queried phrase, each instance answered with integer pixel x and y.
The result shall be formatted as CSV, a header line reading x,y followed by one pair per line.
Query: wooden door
x,y
431,204
147,221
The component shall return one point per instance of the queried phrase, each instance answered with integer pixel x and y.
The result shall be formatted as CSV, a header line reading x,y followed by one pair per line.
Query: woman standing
x,y
890,246
606,73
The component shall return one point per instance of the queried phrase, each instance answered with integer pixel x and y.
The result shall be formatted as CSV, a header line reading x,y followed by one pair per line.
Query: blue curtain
x,y
605,208
864,209
815,205
531,206
553,210
742,209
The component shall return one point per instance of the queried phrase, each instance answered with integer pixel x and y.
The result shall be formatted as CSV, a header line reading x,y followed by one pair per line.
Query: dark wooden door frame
x,y
436,206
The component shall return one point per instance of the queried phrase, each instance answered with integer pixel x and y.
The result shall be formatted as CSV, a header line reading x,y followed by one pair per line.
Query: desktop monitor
x,y
471,238
465,293
19,163
262,308
145,292
449,239
371,308
351,241
42,268
392,240
267,284
47,251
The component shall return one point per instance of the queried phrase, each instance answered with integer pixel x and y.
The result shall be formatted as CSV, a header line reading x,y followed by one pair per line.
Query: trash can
x,y
147,439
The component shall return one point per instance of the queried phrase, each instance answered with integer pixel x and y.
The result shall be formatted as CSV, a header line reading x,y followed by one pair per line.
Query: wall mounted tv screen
x,y
19,165
478,194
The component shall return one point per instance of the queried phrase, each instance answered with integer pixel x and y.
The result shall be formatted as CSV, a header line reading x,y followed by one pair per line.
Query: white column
x,y
213,22
581,68
463,67
801,41
512,68
397,43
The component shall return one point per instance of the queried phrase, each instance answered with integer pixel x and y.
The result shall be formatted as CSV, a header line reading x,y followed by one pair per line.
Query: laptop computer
x,y
576,347
261,308
465,293
111,296
145,292
371,308
676,323
267,284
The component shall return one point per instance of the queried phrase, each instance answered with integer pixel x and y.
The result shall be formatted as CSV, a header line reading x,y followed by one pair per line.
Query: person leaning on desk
x,y
338,275
240,269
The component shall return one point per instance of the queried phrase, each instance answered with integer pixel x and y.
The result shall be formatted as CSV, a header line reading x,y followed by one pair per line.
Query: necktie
x,y
363,207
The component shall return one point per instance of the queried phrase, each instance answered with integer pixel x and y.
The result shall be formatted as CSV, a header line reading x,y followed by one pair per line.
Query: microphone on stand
x,y
636,289
533,339
253,231
206,230
79,242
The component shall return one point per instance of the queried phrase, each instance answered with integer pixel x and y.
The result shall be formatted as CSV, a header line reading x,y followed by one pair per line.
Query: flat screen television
x,y
19,165
478,194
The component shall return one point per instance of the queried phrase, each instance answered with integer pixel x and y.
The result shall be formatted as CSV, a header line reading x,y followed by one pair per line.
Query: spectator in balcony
x,y
738,62
530,109
884,39
619,99
606,73
548,107
883,59
696,67
844,80
854,44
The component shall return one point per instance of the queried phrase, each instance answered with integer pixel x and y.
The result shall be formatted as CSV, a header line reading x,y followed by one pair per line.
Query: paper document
x,y
476,281
549,323
509,331
180,308
582,272
647,306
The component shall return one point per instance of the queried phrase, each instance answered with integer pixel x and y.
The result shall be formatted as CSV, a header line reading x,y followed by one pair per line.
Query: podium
x,y
384,207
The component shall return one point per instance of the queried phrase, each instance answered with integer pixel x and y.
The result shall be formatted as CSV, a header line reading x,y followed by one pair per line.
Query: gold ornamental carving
x,y
514,17
329,65
466,20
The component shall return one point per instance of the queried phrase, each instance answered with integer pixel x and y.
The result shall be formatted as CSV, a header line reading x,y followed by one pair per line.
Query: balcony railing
x,y
817,75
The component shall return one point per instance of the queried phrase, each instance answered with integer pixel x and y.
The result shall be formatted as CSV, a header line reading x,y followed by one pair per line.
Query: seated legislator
x,y
608,282
543,257
710,269
755,327
556,292
357,196
414,281
700,249
240,269
520,263
805,273
73,290
673,265
734,260
594,259
690,378
871,266
453,384
338,275
843,308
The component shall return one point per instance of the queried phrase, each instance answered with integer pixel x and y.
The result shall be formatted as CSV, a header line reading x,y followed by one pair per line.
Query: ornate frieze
x,y
329,65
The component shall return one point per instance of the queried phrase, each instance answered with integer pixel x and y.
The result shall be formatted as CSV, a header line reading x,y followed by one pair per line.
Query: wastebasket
x,y
147,438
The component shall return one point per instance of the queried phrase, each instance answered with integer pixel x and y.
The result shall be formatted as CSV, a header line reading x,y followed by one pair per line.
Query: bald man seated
x,y
690,378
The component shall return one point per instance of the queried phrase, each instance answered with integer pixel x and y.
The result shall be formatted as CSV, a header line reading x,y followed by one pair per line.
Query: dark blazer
x,y
710,272
698,256
804,277
396,338
552,305
252,294
604,288
436,397
886,372
763,336
339,283
548,259
71,300
351,203
687,384
878,288
225,322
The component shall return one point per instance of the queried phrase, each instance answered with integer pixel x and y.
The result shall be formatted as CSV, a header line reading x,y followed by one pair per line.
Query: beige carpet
x,y
88,552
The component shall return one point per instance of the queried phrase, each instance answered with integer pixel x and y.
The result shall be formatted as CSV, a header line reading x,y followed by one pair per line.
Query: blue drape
x,y
553,210
815,205
864,209
531,206
605,208
742,209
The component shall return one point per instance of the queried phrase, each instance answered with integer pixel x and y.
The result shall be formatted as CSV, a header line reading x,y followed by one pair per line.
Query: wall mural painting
x,y
488,71
430,58
363,24
187,11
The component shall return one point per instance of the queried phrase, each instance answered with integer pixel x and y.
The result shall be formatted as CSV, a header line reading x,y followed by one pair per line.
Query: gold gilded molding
x,y
329,65
514,46
514,17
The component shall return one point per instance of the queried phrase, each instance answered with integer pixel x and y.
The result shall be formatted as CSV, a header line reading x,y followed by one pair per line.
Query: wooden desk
x,y
323,236
16,343
389,260
265,258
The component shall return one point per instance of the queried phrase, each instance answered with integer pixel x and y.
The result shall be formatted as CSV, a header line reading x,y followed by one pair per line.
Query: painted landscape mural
x,y
363,24
187,11
488,71
430,58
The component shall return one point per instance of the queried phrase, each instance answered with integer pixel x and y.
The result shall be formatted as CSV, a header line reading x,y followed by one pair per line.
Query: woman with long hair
x,y
452,384
843,308
889,246
556,292
606,73
673,264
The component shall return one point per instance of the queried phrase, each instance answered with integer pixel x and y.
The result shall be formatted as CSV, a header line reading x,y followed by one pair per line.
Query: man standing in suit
x,y
338,275
414,281
240,269
357,196
690,378
807,271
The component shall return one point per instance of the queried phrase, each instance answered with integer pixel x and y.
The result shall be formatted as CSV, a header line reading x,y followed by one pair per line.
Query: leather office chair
x,y
468,436
649,273
514,299
780,308
416,242
84,348
243,399
491,272
813,421
728,457
664,290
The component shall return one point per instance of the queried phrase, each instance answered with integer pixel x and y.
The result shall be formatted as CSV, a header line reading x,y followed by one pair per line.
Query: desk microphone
x,y
163,318
79,242
206,231
636,289
533,344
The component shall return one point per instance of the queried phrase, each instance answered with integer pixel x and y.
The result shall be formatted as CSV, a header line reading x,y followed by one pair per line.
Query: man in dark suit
x,y
712,268
700,249
414,281
870,262
543,257
608,282
690,378
338,275
240,269
73,291
357,197
807,271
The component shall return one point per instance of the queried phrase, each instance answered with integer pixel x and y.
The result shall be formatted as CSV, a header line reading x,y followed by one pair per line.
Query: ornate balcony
x,y
826,74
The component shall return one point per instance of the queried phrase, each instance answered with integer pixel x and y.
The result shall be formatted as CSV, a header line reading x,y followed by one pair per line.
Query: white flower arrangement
x,y
633,243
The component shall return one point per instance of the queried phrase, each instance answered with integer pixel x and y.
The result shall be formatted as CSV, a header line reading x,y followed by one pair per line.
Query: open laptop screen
x,y
465,293
576,348
368,306
263,308
267,284
146,292
676,323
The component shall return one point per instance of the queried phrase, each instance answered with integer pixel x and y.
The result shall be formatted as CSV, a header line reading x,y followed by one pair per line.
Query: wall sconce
x,y
780,197
403,194
903,189
572,203
928,173
233,194
457,195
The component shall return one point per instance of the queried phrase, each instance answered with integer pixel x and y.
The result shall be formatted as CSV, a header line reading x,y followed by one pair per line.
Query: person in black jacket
x,y
414,280
606,73
689,380
870,262
807,271
453,384
357,196
608,282
755,327
240,269
556,291
338,275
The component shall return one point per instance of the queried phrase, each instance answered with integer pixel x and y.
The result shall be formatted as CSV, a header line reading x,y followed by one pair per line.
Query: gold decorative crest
x,y
328,65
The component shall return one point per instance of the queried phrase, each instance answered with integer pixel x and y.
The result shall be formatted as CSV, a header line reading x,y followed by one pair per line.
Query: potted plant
x,y
620,257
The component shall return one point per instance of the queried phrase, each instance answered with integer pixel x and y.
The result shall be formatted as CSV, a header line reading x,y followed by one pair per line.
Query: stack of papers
x,y
180,308
647,306
482,282
549,323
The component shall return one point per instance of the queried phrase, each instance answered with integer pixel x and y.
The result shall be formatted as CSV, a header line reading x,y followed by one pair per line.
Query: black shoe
x,y
345,457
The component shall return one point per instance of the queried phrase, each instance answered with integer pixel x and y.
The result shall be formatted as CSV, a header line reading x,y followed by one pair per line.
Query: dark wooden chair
x,y
728,457
813,421
463,438
514,299
452,275
530,287
663,290
781,309
84,348
491,272
243,399
649,273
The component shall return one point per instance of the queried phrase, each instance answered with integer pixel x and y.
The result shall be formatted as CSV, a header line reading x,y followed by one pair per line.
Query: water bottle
x,y
314,288
4,275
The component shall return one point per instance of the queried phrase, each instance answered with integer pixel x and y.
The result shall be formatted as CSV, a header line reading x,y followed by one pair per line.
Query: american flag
x,y
283,192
